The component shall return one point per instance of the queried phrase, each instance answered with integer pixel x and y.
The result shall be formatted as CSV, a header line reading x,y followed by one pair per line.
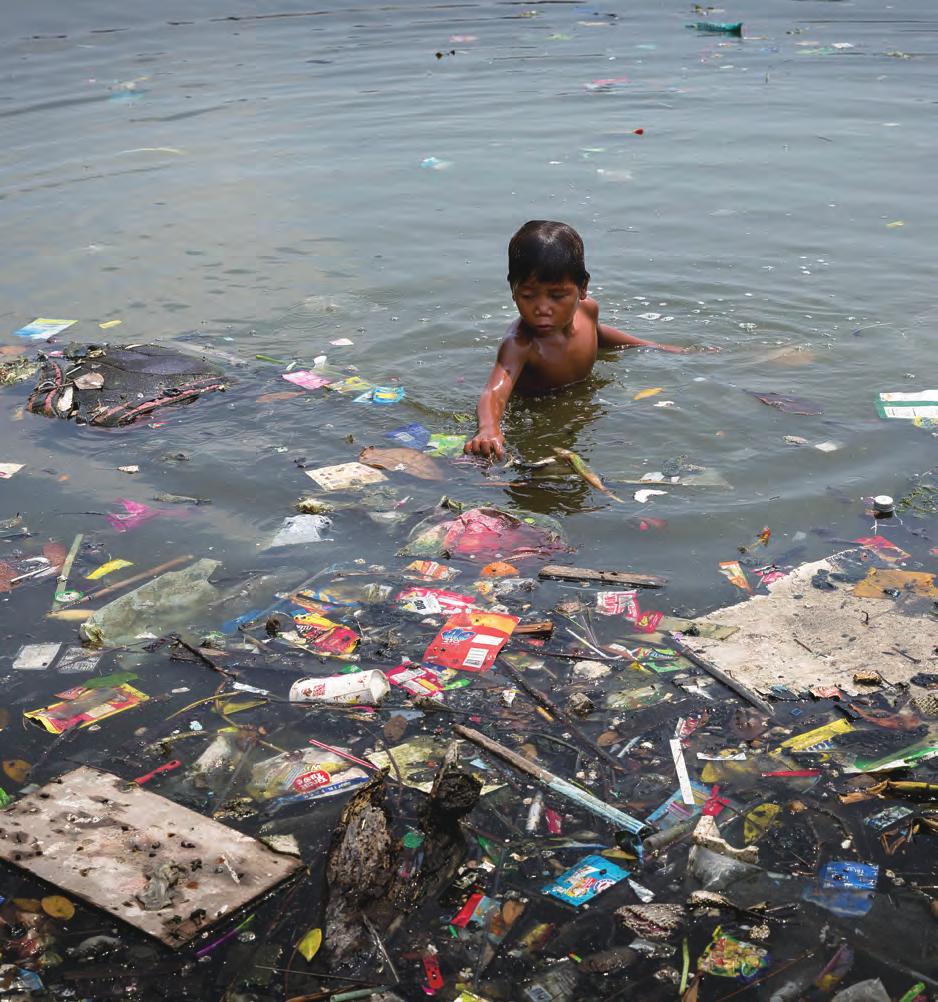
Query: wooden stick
x,y
134,578
545,626
555,783
721,676
559,573
561,714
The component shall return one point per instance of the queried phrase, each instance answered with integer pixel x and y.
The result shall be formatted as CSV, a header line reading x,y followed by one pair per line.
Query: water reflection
x,y
534,426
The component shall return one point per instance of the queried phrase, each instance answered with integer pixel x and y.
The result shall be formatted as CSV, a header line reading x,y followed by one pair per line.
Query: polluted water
x,y
302,703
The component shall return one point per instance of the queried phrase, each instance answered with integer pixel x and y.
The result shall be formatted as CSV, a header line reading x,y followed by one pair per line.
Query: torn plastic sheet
x,y
158,605
844,887
486,533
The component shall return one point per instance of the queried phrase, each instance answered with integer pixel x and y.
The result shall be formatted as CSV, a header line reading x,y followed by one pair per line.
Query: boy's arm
x,y
612,337
512,356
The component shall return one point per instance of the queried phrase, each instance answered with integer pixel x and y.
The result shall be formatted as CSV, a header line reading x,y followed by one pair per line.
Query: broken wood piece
x,y
555,783
558,573
540,628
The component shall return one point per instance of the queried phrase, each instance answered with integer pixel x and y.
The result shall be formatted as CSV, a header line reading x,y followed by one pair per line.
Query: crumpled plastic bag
x,y
485,533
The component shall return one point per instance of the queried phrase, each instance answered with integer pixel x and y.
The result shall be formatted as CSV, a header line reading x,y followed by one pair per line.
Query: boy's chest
x,y
566,359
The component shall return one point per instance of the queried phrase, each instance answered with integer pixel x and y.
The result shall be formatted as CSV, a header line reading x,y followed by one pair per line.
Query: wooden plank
x,y
110,843
629,578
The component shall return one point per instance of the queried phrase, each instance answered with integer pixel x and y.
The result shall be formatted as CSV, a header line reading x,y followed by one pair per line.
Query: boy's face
x,y
547,307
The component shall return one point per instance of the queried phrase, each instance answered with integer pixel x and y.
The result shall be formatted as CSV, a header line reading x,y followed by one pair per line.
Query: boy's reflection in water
x,y
535,425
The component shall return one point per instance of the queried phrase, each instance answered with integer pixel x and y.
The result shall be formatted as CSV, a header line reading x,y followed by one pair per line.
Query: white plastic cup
x,y
364,688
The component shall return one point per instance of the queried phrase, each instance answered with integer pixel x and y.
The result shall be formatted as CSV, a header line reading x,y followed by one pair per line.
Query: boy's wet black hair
x,y
548,252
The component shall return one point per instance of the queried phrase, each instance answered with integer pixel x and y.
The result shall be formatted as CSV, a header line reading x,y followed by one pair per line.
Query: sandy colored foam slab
x,y
100,839
840,633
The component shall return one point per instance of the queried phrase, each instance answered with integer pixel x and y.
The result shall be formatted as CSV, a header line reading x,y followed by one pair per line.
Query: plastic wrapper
x,y
470,641
81,707
581,883
305,774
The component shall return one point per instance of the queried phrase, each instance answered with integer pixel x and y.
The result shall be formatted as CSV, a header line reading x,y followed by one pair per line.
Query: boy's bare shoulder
x,y
590,307
516,344
517,335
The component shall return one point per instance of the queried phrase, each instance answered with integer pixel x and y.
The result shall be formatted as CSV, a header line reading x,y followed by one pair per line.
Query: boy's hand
x,y
486,443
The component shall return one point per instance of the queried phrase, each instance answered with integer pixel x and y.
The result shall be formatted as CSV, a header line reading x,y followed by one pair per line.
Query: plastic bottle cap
x,y
883,501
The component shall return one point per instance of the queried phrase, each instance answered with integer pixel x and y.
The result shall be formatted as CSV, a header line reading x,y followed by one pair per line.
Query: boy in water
x,y
555,340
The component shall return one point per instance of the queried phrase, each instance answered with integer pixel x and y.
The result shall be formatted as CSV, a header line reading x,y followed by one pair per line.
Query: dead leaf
x,y
642,394
228,706
17,770
28,904
407,460
12,349
512,910
269,398
309,945
608,738
498,569
58,907
394,728
790,405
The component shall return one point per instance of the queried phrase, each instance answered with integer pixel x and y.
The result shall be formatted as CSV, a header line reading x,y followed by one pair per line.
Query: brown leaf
x,y
58,907
512,910
408,460
394,728
17,770
269,398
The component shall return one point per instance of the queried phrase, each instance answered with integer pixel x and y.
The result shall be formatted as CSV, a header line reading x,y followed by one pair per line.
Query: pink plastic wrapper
x,y
618,603
308,380
134,514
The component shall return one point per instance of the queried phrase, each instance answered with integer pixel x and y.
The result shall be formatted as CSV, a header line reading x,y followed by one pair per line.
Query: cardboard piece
x,y
112,844
803,636
35,657
345,476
